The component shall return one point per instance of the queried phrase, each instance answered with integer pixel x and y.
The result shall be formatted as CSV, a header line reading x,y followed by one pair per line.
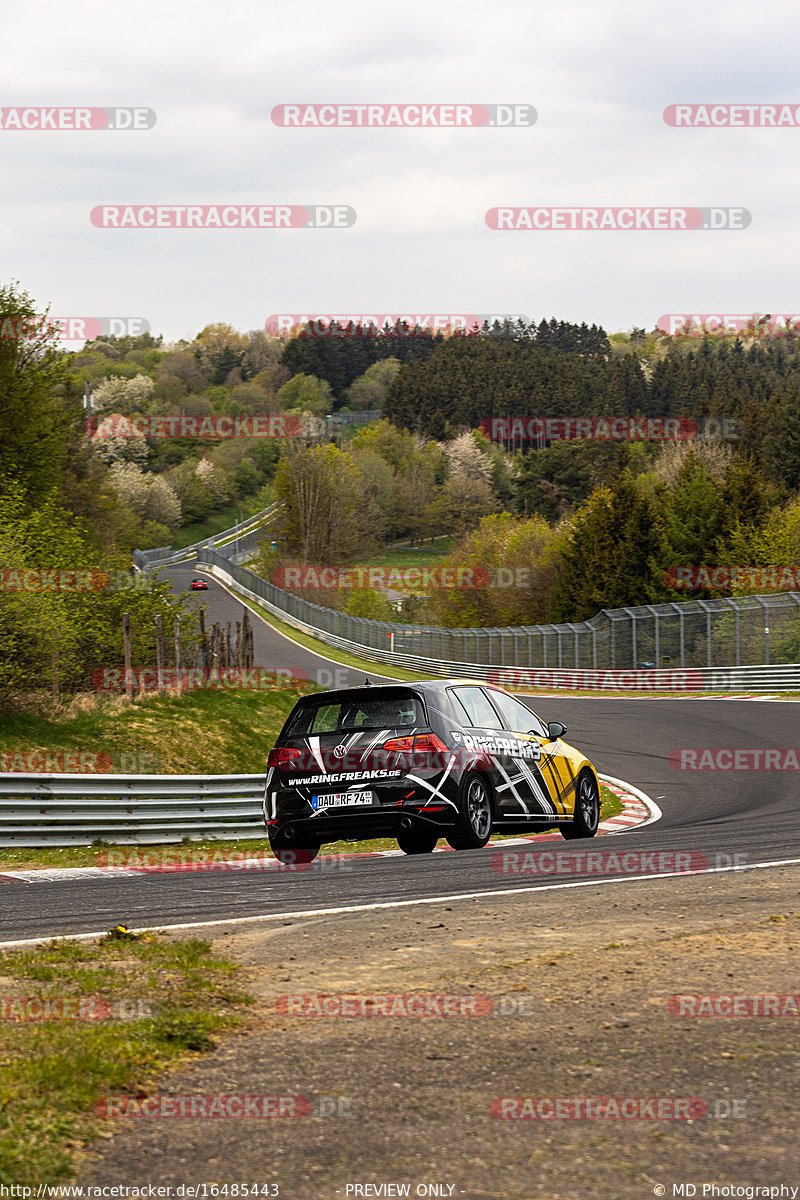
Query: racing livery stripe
x,y
436,793
560,789
380,737
313,743
536,777
538,787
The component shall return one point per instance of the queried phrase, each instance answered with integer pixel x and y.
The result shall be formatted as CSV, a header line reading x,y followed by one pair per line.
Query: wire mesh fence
x,y
738,631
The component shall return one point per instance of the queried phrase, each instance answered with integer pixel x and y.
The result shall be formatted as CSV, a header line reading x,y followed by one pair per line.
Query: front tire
x,y
587,808
473,826
421,840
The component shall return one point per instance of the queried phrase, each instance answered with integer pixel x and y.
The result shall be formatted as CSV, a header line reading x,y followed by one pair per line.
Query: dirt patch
x,y
581,981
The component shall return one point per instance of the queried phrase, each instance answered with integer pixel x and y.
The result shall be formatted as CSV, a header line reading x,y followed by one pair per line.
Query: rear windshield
x,y
383,710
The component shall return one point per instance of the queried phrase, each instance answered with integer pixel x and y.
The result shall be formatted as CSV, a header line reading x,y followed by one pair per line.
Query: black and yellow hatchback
x,y
450,758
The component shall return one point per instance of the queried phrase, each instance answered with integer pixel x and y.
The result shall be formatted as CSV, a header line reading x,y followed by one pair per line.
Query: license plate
x,y
341,799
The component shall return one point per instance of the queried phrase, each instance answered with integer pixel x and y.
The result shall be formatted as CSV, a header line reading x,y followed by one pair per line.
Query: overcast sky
x,y
599,74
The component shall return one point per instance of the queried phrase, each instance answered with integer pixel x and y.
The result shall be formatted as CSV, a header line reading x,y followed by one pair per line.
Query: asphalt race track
x,y
746,817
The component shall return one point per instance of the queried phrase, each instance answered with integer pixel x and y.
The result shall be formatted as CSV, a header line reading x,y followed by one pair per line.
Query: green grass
x,y
54,1071
218,522
409,556
204,849
213,732
340,656
187,535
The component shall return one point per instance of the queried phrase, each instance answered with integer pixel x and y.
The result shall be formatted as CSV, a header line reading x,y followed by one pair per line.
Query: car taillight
x,y
279,757
422,742
429,742
402,744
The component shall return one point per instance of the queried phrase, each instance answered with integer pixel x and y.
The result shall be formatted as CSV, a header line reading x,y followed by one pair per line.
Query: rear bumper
x,y
370,823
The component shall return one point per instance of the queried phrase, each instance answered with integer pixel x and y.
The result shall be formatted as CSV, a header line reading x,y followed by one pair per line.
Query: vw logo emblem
x,y
339,752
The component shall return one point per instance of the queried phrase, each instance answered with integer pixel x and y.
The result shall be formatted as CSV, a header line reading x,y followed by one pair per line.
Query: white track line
x,y
353,908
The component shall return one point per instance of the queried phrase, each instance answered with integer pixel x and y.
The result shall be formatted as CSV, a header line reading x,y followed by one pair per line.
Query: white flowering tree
x,y
124,396
215,479
466,460
120,449
150,496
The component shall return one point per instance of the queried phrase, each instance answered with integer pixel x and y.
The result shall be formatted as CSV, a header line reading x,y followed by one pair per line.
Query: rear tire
x,y
473,826
292,855
420,840
587,808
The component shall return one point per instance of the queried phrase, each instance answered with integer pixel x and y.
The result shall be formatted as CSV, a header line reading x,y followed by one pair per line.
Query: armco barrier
x,y
76,810
225,542
758,635
505,656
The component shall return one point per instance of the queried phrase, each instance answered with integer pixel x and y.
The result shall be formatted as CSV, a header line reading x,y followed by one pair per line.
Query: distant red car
x,y
198,585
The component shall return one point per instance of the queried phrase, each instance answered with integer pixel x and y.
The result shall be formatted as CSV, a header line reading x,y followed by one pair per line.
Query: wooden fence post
x,y
126,639
160,684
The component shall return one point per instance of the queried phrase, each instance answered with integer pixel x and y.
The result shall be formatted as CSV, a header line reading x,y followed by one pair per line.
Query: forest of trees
x,y
595,524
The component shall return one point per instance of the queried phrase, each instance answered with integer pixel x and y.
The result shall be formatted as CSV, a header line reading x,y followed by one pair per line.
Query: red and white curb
x,y
637,810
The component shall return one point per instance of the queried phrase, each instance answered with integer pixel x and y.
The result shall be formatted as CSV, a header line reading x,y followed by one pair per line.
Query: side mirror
x,y
555,730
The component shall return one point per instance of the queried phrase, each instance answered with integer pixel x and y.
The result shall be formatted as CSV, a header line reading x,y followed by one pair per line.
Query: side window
x,y
519,716
474,702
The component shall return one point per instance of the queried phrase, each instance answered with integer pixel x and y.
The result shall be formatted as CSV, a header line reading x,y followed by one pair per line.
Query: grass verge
x,y
217,523
55,1070
214,731
326,651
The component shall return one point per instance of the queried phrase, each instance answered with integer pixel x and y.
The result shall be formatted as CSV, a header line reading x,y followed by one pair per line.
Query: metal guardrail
x,y
224,542
77,810
692,640
515,654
